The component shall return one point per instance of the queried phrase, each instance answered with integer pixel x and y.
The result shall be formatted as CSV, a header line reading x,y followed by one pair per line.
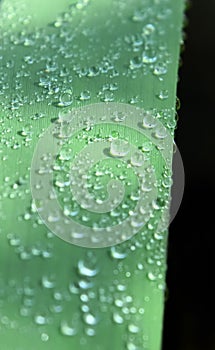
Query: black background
x,y
189,322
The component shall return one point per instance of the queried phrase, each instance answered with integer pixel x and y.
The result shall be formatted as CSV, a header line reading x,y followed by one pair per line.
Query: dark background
x,y
190,307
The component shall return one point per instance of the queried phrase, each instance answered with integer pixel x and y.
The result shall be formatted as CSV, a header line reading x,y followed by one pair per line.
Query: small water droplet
x,y
44,337
90,332
48,282
85,270
117,253
135,63
149,55
138,158
151,276
160,132
90,319
66,99
149,122
160,69
85,95
148,29
117,318
163,94
133,328
40,319
67,329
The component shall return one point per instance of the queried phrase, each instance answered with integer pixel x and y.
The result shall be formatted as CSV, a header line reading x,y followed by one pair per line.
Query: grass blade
x,y
58,56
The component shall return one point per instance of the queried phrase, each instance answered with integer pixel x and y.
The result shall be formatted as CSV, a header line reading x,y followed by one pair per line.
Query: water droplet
x,y
85,95
66,99
163,94
140,266
134,100
40,319
149,55
66,329
167,182
85,284
56,308
73,288
137,158
138,16
118,117
117,318
13,240
135,63
85,308
48,282
81,4
44,337
51,66
160,69
121,287
93,71
147,146
160,132
90,319
118,303
90,331
151,276
131,346
107,96
133,328
86,270
148,29
149,122
58,23
119,148
117,253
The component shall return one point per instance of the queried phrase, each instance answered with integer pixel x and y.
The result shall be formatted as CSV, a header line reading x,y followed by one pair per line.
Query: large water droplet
x,y
119,148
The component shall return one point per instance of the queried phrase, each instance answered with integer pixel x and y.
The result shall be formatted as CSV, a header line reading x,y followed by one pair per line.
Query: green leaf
x,y
85,56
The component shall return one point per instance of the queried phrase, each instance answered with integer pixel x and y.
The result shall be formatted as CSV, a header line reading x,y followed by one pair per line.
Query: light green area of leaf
x,y
56,56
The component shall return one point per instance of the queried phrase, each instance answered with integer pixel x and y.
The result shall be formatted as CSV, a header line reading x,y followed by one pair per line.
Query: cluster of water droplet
x,y
42,72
